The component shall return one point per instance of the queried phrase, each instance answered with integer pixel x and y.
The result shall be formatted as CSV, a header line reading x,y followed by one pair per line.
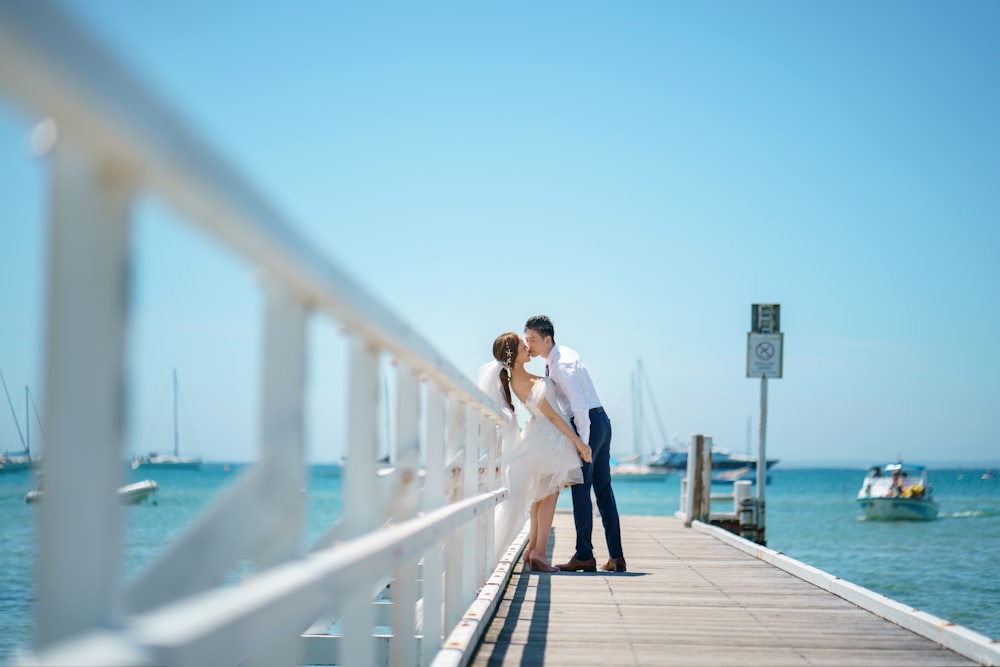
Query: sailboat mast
x,y
27,424
13,412
636,419
176,449
656,411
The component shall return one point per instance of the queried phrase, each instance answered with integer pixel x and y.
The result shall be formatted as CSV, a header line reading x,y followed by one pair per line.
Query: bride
x,y
545,456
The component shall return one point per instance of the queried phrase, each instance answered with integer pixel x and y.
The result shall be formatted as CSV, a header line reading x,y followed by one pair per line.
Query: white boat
x,y
20,460
133,494
130,494
637,471
745,474
897,492
15,462
175,461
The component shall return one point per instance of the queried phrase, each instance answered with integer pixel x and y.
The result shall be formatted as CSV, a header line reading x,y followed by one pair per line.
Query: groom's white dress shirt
x,y
574,389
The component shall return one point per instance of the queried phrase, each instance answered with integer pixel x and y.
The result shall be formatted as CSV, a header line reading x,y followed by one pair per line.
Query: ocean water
x,y
948,567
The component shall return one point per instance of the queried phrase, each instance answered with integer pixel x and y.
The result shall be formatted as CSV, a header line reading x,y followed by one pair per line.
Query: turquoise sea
x,y
948,567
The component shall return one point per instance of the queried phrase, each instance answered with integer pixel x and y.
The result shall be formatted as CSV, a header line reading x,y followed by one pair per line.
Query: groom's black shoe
x,y
615,565
575,565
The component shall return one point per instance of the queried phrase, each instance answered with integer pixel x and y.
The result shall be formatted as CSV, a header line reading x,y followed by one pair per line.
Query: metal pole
x,y
762,460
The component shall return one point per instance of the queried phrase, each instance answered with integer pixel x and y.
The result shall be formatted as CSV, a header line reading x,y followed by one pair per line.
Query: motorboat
x,y
133,494
897,492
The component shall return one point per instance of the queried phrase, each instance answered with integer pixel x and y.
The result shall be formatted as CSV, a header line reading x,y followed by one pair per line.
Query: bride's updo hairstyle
x,y
505,351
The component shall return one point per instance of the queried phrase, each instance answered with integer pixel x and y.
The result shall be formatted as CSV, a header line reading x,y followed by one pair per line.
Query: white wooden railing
x,y
425,525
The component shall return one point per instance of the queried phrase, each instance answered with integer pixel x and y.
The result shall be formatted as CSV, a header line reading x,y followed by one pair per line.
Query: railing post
x,y
694,477
742,490
471,477
500,542
453,549
360,494
485,525
85,397
706,480
282,448
282,424
403,647
434,482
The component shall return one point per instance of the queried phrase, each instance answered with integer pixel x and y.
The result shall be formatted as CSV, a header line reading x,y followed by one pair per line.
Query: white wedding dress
x,y
541,461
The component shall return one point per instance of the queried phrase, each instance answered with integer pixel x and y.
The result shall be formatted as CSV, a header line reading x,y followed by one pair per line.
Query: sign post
x,y
764,360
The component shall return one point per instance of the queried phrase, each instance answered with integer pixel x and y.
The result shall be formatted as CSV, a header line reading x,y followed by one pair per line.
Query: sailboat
x,y
19,460
176,462
631,466
726,465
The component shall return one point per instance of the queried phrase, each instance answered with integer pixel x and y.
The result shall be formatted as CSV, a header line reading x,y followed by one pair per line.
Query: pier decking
x,y
688,599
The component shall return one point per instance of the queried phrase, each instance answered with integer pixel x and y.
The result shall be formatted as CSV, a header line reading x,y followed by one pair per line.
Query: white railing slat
x,y
85,397
432,628
282,428
404,506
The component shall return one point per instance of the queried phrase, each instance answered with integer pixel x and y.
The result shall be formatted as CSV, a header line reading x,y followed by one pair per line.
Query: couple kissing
x,y
565,442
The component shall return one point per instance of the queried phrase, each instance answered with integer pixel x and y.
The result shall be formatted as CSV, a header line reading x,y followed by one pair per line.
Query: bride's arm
x,y
561,424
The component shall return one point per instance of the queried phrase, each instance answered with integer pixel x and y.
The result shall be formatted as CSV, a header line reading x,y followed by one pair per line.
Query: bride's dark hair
x,y
505,351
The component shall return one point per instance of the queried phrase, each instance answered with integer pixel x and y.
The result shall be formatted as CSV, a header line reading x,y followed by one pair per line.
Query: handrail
x,y
114,140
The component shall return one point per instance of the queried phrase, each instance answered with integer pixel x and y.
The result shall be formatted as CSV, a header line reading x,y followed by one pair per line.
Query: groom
x,y
576,395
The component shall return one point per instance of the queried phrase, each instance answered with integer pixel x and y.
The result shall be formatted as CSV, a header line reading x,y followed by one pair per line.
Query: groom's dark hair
x,y
541,324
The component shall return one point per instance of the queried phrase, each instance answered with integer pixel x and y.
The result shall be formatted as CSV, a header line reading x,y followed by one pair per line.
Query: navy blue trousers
x,y
597,476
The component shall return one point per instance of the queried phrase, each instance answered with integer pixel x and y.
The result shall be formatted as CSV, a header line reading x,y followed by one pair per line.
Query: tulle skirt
x,y
541,462
545,459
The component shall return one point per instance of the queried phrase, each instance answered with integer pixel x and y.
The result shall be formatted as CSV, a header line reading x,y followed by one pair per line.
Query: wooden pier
x,y
690,598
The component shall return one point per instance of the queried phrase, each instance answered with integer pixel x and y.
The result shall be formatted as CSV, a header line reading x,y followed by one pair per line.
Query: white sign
x,y
764,355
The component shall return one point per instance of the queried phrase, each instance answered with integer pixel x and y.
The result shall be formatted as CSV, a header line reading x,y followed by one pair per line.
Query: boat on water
x,y
722,460
175,461
154,460
630,466
14,462
897,492
130,494
637,471
744,474
672,458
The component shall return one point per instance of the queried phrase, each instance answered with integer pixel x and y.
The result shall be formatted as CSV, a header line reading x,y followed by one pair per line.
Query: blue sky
x,y
641,172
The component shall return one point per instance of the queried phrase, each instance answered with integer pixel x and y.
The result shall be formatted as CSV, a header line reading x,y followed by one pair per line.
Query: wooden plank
x,y
687,599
